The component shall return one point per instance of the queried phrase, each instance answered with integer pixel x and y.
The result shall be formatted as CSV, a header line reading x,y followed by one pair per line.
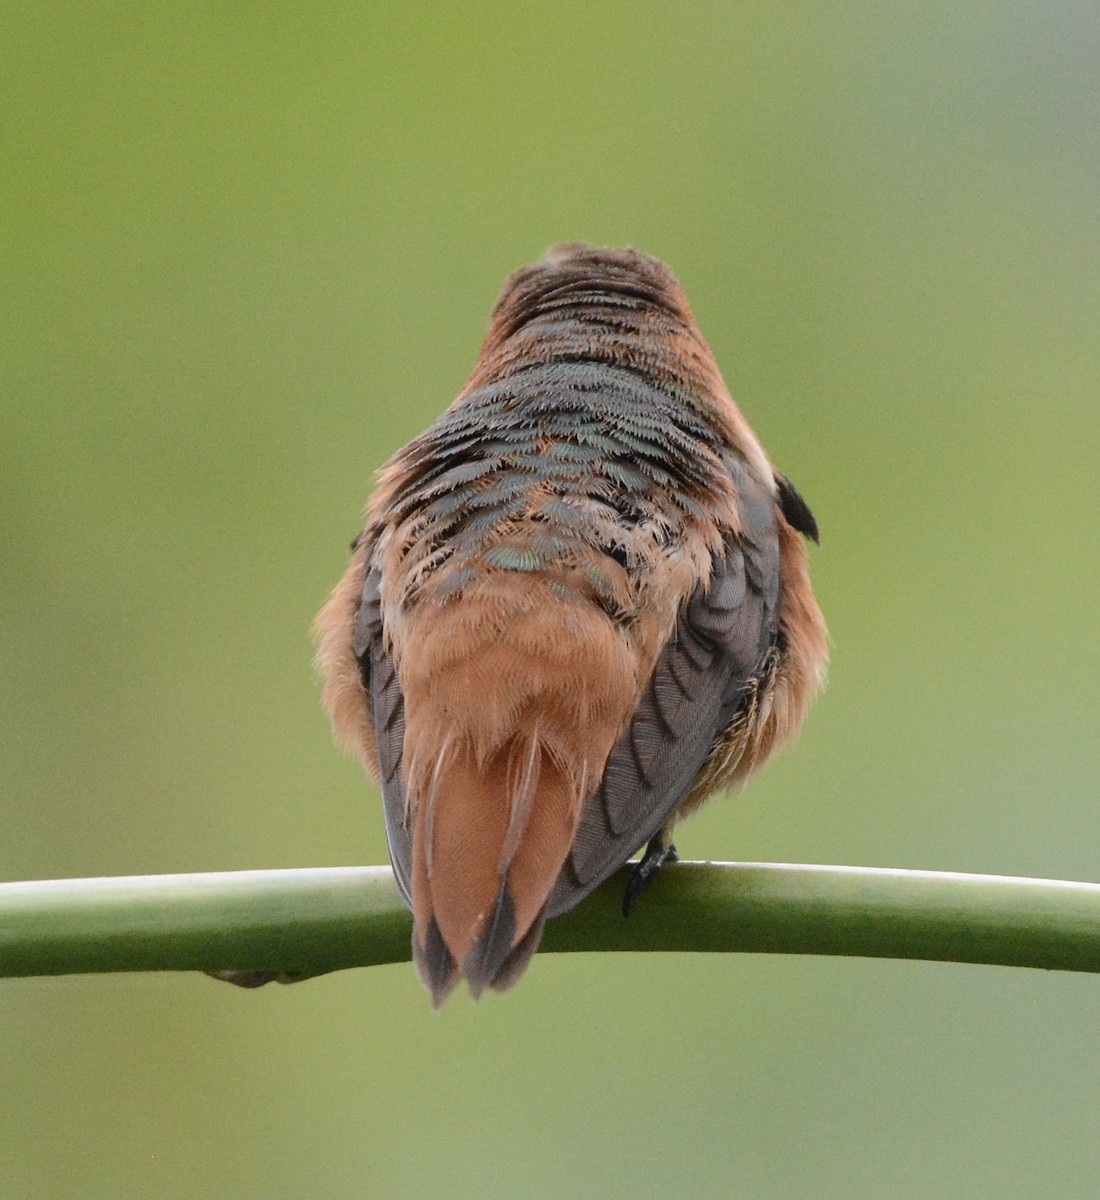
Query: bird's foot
x,y
657,853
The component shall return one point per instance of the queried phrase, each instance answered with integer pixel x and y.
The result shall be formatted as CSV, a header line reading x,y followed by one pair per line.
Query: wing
x,y
388,714
704,676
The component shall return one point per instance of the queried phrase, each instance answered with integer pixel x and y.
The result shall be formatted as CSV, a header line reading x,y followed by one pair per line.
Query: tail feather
x,y
489,840
522,953
493,948
526,765
435,963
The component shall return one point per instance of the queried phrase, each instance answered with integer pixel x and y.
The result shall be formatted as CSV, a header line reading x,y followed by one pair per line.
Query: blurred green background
x,y
249,250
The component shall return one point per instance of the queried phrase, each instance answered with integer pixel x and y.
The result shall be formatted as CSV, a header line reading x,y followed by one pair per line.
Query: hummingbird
x,y
580,607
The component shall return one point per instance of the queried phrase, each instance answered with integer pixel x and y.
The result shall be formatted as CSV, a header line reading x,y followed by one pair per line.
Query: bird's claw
x,y
657,853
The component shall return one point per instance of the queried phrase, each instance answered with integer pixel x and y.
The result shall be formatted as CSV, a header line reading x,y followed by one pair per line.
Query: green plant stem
x,y
307,922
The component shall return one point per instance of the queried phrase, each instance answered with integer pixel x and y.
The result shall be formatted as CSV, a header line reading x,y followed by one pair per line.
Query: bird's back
x,y
568,590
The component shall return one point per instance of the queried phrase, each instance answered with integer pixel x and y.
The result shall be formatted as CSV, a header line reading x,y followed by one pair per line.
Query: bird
x,y
580,607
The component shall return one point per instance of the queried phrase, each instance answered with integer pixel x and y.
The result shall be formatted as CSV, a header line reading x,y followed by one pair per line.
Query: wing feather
x,y
703,678
388,712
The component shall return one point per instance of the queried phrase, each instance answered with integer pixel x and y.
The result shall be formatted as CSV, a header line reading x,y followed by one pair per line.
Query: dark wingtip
x,y
435,963
795,509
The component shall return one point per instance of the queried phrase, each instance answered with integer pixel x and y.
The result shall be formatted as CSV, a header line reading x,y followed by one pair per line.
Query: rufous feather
x,y
579,607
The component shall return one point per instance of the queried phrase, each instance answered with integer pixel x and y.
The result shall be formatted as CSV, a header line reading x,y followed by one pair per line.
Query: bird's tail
x,y
513,701
488,842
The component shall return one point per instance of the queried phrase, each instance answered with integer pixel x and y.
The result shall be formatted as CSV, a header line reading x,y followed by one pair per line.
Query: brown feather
x,y
578,609
509,712
344,695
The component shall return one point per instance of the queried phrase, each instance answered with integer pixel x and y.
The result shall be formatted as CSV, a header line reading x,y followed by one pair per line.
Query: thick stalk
x,y
307,922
